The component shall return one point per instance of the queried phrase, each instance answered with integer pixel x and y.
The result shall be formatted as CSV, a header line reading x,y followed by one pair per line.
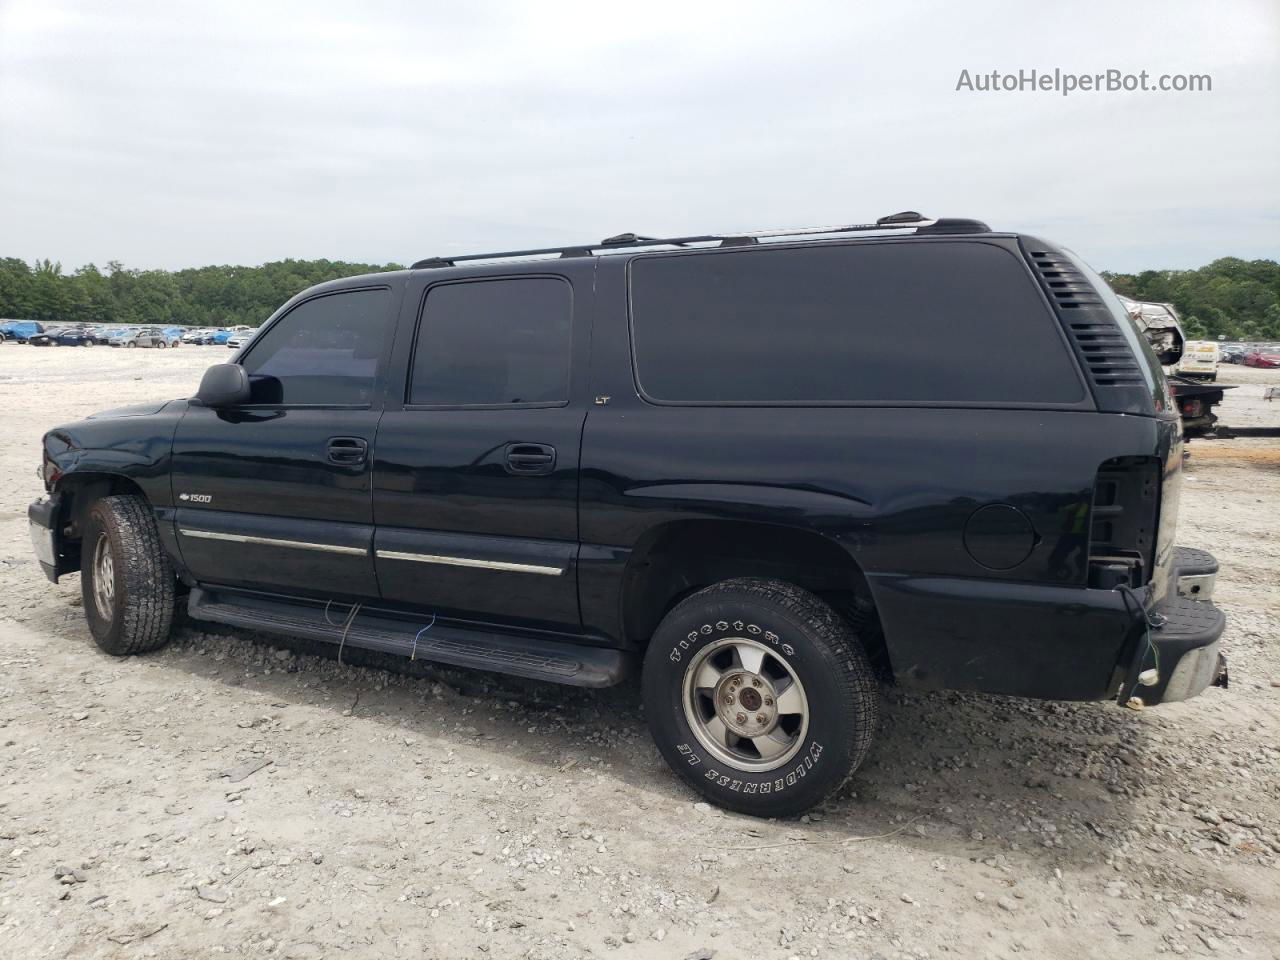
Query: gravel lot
x,y
228,796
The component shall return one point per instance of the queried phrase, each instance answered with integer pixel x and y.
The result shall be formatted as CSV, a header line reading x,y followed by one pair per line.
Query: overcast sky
x,y
174,134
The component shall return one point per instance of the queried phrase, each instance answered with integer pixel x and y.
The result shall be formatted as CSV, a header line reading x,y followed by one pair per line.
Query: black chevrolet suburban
x,y
768,472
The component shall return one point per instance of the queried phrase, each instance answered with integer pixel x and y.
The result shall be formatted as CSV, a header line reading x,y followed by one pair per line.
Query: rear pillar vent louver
x,y
1102,346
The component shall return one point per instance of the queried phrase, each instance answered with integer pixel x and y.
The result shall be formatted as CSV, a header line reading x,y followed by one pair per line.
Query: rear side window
x,y
494,342
871,323
323,351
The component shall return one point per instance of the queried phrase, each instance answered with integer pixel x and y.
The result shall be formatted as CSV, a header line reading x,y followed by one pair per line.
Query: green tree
x,y
1238,299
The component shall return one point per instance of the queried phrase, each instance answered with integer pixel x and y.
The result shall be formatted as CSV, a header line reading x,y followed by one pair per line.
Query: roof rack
x,y
907,220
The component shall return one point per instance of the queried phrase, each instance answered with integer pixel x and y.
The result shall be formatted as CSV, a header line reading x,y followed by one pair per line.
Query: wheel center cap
x,y
745,702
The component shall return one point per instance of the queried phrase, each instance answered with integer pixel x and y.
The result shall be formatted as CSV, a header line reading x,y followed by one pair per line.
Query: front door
x,y
275,494
476,469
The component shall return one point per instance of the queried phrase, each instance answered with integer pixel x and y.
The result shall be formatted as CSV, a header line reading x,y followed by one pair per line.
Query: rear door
x,y
476,470
275,494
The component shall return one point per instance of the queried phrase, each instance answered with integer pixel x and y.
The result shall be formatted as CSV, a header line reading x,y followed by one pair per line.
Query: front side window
x,y
323,352
494,342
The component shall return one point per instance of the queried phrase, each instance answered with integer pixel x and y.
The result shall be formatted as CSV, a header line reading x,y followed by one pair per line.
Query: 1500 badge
x,y
196,497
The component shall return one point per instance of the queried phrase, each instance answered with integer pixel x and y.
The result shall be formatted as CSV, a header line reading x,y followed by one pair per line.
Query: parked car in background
x,y
239,339
172,336
62,337
221,336
1160,324
1232,352
135,337
1199,360
199,336
75,337
45,338
22,330
1262,358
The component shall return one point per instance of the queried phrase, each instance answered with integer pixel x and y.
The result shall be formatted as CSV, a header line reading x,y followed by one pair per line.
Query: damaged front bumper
x,y
1176,651
42,520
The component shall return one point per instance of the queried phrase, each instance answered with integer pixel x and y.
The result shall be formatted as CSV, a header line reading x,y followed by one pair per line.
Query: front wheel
x,y
126,580
760,696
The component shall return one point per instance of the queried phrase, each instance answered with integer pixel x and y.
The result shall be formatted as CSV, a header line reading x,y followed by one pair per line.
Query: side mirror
x,y
223,385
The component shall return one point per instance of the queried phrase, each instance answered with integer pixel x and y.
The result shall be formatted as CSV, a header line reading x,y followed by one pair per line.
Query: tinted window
x,y
882,322
323,351
494,341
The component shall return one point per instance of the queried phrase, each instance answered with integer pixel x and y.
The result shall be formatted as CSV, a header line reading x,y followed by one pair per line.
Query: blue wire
x,y
414,653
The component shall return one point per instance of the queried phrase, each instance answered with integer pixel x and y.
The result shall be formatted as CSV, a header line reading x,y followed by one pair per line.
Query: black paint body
x,y
966,526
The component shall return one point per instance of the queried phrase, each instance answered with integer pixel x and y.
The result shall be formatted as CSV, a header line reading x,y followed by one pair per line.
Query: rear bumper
x,y
1184,640
1052,643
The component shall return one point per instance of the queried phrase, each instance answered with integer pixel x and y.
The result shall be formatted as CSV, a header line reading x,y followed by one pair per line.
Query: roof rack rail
x,y
906,220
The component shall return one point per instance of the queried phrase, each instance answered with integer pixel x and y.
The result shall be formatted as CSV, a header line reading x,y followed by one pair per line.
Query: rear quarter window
x,y
909,322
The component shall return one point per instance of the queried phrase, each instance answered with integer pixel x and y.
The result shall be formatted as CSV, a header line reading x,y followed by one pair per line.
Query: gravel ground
x,y
229,796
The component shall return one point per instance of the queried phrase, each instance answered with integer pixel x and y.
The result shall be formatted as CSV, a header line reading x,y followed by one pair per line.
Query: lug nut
x,y
755,682
741,718
760,718
728,698
768,701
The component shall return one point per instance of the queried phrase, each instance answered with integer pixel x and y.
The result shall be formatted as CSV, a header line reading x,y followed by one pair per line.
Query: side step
x,y
520,655
1194,573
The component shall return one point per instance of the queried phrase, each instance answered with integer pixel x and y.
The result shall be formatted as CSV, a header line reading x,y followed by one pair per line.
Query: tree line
x,y
199,297
1239,299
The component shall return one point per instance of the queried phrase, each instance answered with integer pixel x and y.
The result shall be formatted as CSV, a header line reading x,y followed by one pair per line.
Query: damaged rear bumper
x,y
1179,655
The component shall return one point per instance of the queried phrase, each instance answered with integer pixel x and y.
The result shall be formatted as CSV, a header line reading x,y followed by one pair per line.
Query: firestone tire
x,y
126,580
760,696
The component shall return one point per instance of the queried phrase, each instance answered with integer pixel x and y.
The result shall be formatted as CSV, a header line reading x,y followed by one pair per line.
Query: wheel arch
x,y
76,492
677,558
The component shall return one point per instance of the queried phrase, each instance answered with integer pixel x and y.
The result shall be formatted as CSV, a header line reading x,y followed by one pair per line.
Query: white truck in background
x,y
1199,360
1159,324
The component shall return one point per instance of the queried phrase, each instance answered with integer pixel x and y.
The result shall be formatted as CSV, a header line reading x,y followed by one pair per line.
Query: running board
x,y
533,657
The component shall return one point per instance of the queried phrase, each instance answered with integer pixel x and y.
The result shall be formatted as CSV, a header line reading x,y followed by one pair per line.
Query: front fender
x,y
134,444
122,451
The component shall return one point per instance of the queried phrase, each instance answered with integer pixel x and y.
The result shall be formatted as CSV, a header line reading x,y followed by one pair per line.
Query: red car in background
x,y
1262,358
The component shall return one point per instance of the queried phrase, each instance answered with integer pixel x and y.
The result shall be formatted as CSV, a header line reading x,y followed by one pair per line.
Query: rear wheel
x,y
760,696
126,580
